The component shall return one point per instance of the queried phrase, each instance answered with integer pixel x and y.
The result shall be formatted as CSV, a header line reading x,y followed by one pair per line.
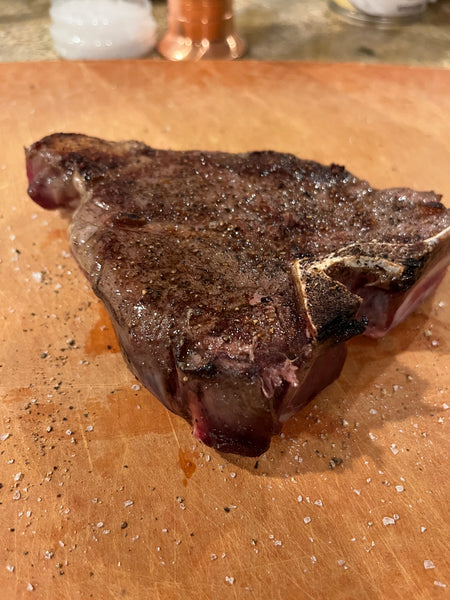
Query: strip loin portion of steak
x,y
233,280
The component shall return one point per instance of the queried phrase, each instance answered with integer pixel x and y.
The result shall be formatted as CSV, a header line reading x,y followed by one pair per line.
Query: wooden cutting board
x,y
104,493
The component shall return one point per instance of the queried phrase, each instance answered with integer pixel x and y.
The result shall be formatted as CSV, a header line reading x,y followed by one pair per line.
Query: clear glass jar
x,y
381,13
102,29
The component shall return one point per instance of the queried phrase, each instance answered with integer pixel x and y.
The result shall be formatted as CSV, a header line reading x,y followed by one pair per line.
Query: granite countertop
x,y
273,30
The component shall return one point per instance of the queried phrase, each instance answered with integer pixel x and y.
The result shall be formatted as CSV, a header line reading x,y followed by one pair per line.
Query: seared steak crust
x,y
234,279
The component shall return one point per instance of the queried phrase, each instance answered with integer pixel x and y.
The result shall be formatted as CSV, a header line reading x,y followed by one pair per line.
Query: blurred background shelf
x,y
273,29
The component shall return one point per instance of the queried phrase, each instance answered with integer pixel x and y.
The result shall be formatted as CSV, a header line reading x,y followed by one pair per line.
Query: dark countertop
x,y
274,30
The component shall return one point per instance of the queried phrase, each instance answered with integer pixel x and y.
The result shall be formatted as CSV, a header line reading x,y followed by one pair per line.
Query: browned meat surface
x,y
233,280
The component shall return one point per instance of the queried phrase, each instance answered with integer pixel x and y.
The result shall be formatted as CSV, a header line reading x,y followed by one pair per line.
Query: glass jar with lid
x,y
102,29
382,13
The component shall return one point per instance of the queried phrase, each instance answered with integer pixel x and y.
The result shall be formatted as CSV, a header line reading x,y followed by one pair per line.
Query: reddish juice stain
x,y
101,338
187,464
56,235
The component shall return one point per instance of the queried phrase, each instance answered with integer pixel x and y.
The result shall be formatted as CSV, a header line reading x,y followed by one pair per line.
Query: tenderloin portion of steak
x,y
233,280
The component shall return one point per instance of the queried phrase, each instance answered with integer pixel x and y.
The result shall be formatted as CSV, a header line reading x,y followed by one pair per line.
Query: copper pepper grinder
x,y
200,29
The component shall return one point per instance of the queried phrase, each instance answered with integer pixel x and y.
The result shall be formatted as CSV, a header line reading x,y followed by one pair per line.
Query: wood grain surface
x,y
104,493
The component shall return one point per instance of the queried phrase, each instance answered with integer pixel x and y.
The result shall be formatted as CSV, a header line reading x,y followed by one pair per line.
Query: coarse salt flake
x,y
30,587
440,584
128,503
10,568
428,564
229,580
388,521
307,520
399,488
37,276
4,437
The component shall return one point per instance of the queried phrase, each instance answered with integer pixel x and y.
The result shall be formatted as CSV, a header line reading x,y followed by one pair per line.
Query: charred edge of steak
x,y
59,165
329,305
391,279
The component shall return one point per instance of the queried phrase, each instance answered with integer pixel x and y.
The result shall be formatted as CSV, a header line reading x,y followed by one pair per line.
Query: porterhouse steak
x,y
233,280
